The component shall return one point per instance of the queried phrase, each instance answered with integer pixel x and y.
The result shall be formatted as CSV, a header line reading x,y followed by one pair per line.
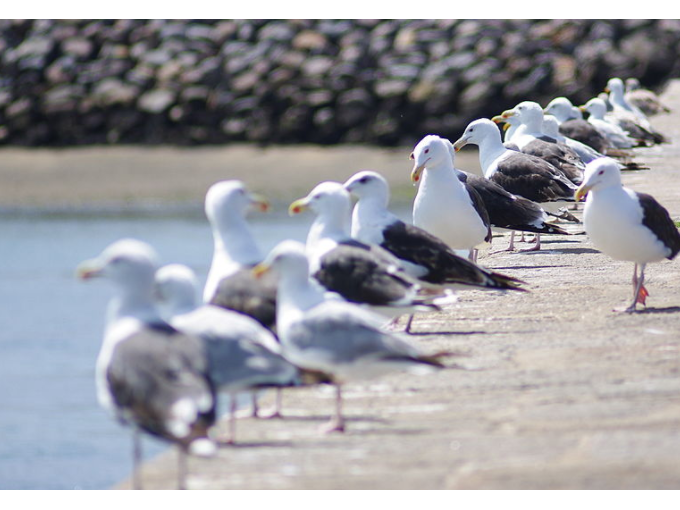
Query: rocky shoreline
x,y
382,82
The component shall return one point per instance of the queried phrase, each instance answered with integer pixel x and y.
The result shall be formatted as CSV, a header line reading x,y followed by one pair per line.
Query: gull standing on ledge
x,y
529,138
230,283
443,205
520,174
423,255
334,337
573,125
243,356
148,374
626,225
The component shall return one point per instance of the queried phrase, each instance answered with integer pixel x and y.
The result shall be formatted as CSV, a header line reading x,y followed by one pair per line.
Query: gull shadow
x,y
434,333
505,268
667,309
578,250
561,241
258,444
377,432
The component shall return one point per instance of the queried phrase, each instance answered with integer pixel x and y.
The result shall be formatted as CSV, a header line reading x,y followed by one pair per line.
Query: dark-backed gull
x,y
647,101
626,225
422,254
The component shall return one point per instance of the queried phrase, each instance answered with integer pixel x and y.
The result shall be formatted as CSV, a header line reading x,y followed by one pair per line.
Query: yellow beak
x,y
498,119
581,192
260,270
298,206
416,173
507,114
260,202
88,269
459,144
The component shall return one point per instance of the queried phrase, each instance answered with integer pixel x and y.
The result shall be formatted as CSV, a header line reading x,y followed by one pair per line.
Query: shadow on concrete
x,y
667,309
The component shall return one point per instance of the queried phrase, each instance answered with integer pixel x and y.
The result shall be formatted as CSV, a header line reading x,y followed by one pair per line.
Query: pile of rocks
x,y
387,82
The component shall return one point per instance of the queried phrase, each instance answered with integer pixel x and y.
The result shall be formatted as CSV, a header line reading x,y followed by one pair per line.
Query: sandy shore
x,y
555,390
133,177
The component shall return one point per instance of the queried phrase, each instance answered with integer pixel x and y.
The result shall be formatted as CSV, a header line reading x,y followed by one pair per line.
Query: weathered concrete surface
x,y
556,390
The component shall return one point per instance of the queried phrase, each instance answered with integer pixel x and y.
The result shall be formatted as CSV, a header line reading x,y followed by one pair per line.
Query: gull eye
x,y
411,156
426,151
600,172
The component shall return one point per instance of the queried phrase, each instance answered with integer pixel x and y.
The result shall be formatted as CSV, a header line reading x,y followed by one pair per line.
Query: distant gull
x,y
630,117
644,99
230,283
573,125
148,374
243,356
530,138
625,224
551,128
444,206
598,117
335,337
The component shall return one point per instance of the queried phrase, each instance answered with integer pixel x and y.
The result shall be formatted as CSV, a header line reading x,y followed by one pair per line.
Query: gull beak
x,y
88,269
581,192
582,108
298,206
260,202
499,119
417,172
507,114
459,144
260,270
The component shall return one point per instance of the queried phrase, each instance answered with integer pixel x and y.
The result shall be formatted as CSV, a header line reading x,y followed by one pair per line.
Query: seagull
x,y
551,128
574,126
243,356
149,375
443,205
626,225
334,337
644,99
629,117
422,254
529,138
607,125
230,283
360,273
520,174
588,154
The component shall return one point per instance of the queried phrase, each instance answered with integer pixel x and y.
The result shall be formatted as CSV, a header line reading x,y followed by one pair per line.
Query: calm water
x,y
53,434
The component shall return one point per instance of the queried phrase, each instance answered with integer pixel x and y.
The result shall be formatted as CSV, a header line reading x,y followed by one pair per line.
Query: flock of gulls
x,y
325,312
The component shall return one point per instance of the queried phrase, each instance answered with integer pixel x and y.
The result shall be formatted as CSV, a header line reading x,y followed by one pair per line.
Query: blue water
x,y
53,434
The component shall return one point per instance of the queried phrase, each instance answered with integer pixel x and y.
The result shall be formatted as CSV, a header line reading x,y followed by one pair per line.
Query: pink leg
x,y
337,422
